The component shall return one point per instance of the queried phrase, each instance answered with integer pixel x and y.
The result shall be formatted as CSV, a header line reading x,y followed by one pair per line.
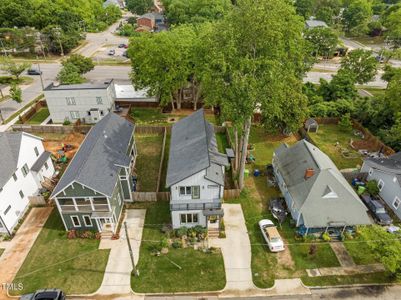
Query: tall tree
x,y
84,64
362,64
356,17
16,93
256,60
323,41
304,8
139,7
13,68
70,74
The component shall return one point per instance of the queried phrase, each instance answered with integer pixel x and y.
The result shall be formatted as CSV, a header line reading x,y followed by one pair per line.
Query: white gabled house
x,y
195,173
24,166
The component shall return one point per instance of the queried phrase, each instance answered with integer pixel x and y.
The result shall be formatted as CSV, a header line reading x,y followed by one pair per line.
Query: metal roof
x,y
128,91
310,196
100,156
81,86
193,148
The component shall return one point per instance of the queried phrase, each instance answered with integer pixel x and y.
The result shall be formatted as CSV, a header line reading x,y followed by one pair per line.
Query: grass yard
x,y
360,252
158,274
327,137
75,266
154,116
222,142
380,277
375,91
40,116
148,162
323,258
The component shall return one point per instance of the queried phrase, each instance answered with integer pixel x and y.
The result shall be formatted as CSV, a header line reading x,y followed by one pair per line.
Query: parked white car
x,y
271,235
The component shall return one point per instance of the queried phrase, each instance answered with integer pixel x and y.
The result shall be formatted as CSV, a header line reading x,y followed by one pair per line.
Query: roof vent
x,y
309,173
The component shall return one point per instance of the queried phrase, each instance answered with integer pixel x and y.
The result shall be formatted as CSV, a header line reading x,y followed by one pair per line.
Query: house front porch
x,y
213,219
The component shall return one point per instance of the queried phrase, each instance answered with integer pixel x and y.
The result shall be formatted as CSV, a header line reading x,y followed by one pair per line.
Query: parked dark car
x,y
47,294
121,46
112,52
377,209
277,209
34,72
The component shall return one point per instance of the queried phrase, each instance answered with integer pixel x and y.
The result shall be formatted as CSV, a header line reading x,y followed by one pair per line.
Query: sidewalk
x,y
18,248
117,277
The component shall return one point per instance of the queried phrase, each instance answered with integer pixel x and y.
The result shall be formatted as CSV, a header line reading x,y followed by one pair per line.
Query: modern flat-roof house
x,y
195,173
387,173
316,193
91,193
24,166
88,102
127,94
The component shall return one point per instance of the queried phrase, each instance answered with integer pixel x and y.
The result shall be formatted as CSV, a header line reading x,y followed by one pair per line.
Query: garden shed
x,y
311,125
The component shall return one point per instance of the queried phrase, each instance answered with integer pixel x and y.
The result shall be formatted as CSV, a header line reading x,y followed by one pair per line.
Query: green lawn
x,y
148,162
158,274
375,91
40,116
323,258
222,142
360,252
327,137
75,266
154,116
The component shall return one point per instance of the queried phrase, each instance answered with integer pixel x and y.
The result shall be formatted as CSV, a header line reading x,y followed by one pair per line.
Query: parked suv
x,y
377,209
34,72
47,294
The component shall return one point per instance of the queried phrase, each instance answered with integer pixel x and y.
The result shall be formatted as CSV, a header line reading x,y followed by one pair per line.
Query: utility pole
x,y
131,254
40,74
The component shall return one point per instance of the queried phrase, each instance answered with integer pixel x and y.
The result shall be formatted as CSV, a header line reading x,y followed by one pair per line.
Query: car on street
x,y
112,52
271,235
34,72
377,209
46,294
123,46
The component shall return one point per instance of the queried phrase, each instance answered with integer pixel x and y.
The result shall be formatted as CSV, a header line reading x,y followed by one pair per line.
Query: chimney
x,y
309,173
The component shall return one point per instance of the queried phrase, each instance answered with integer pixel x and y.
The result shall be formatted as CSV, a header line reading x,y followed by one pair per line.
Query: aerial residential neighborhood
x,y
200,149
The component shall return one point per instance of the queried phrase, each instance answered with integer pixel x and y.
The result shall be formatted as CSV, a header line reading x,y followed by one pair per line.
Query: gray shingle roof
x,y
40,161
10,143
310,195
391,164
98,160
193,148
310,122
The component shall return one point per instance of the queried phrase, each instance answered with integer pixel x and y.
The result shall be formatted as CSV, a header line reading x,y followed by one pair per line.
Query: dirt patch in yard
x,y
54,144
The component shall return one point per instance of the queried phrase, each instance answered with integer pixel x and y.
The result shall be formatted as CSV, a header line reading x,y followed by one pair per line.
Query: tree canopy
x,y
362,64
323,41
139,7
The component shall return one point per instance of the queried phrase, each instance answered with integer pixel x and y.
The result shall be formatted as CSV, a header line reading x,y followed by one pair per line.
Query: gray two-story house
x,y
316,193
91,193
195,173
87,102
387,173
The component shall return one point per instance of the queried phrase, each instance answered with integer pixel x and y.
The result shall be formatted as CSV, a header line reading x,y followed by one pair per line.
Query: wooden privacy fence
x,y
161,160
36,200
151,196
232,193
32,110
61,129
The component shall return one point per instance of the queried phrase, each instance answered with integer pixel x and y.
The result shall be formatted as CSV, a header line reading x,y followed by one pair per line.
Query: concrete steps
x,y
213,233
106,234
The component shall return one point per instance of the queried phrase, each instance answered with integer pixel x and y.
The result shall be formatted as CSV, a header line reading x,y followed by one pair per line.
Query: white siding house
x,y
25,164
88,102
195,173
387,173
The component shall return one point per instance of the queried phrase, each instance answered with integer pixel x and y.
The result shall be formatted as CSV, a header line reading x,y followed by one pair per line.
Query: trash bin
x,y
256,173
246,173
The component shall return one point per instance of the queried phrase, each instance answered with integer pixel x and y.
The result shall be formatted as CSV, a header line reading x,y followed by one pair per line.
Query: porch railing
x,y
196,206
85,208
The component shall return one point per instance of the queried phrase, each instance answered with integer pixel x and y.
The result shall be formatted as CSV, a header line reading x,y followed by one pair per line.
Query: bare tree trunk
x,y
245,138
194,94
172,102
236,149
179,99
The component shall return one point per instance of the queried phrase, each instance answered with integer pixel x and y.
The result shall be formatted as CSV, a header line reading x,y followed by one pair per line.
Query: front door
x,y
105,224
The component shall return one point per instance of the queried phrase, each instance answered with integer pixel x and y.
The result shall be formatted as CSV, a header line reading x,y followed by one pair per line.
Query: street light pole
x,y
131,254
40,74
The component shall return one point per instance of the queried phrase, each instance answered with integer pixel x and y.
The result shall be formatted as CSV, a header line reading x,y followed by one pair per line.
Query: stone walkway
x,y
117,277
18,248
342,254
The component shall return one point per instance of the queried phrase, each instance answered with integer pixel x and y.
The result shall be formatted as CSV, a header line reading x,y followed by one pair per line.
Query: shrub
x,y
180,232
66,122
345,123
201,232
372,188
72,234
176,244
326,237
163,243
222,234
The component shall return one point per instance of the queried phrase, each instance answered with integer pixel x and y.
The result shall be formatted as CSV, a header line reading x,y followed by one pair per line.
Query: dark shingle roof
x,y
40,161
391,164
10,143
193,148
98,160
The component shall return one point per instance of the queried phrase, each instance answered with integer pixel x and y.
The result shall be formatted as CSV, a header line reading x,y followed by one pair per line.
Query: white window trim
x,y
382,185
72,220
399,202
186,218
90,220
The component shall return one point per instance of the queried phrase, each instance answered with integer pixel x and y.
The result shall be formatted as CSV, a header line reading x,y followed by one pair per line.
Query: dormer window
x,y
329,193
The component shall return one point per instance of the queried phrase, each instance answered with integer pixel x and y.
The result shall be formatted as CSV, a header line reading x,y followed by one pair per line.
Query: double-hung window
x,y
396,202
87,221
193,191
380,184
75,221
25,170
189,218
74,114
70,100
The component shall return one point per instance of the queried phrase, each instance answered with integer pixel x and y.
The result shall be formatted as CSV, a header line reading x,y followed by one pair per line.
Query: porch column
x,y
75,204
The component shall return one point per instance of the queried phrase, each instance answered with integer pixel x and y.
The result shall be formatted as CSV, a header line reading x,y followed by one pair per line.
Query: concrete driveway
x,y
117,277
17,250
236,249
